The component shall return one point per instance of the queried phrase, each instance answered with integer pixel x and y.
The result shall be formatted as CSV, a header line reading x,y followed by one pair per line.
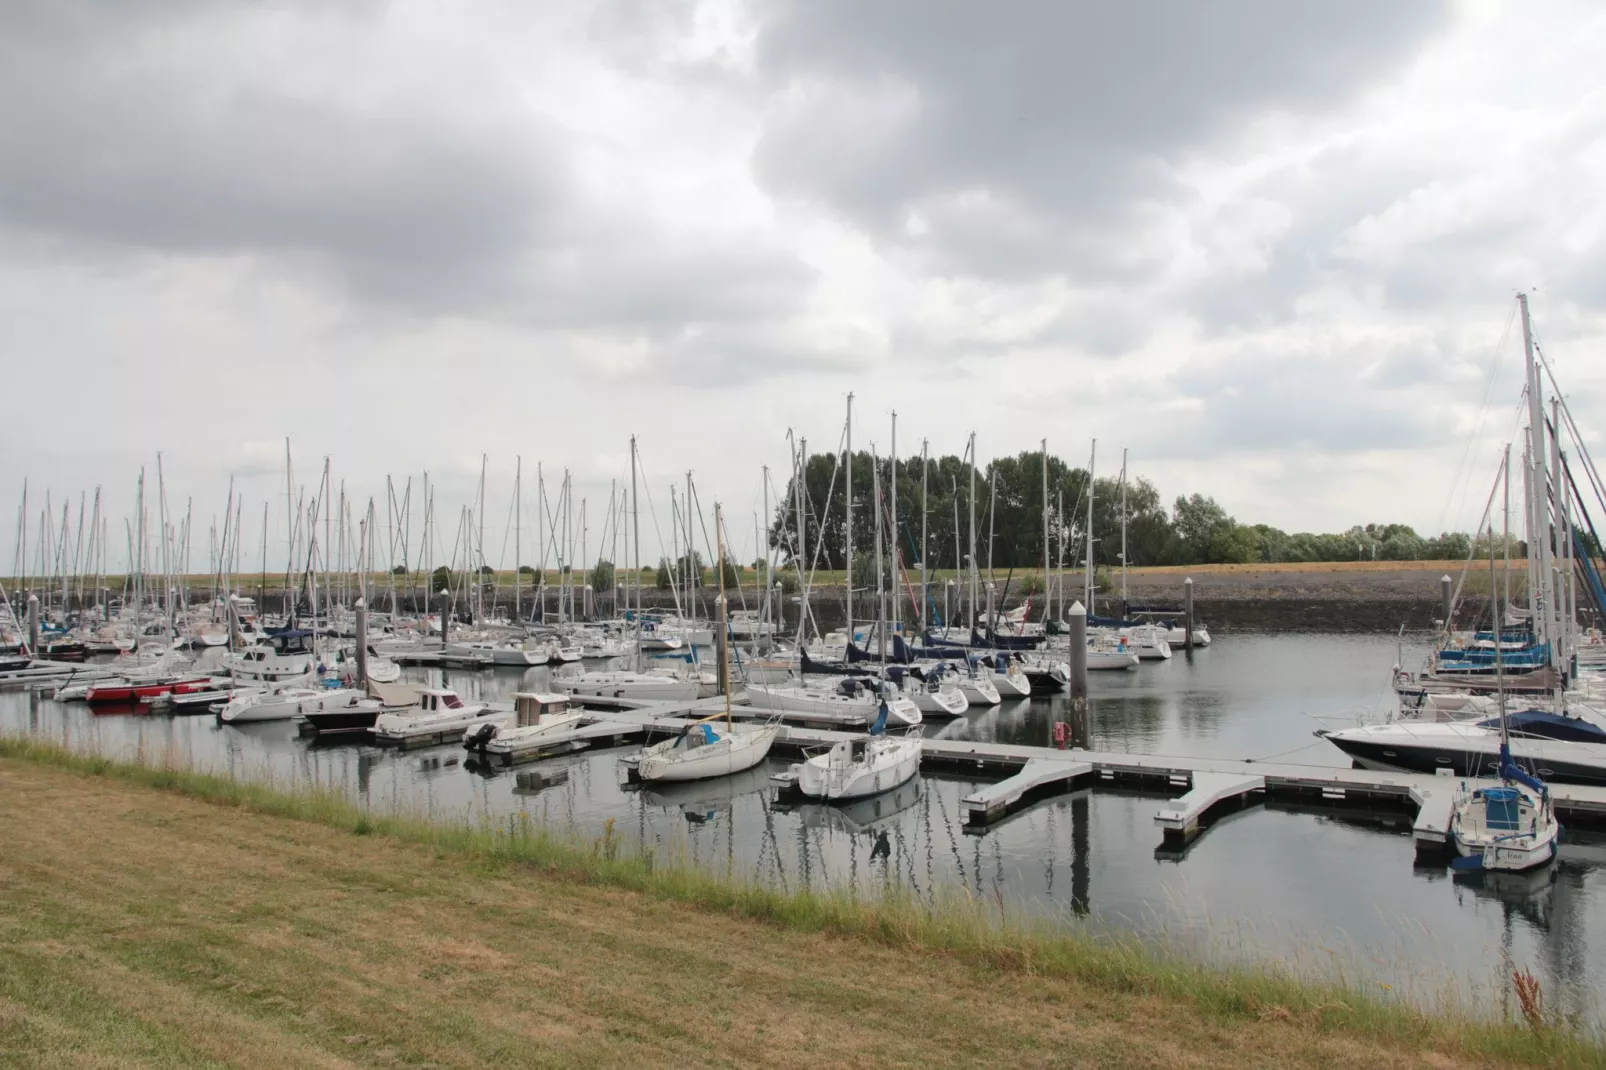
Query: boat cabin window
x,y
452,702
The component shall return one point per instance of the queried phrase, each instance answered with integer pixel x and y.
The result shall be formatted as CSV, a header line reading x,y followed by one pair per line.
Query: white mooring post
x,y
1187,613
1077,619
33,625
1444,598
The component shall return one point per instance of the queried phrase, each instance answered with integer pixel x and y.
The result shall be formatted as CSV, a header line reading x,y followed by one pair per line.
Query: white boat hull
x,y
281,704
737,749
648,686
1011,685
979,691
836,775
825,703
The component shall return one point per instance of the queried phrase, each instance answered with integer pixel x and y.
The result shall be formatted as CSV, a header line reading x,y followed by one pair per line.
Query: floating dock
x,y
1199,788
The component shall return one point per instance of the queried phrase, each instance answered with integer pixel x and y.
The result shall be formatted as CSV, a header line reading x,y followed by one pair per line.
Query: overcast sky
x,y
1270,247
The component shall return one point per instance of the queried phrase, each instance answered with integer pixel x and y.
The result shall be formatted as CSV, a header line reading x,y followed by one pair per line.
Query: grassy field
x,y
152,917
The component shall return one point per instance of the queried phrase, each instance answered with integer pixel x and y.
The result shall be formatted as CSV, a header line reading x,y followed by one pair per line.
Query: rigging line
x,y
1462,468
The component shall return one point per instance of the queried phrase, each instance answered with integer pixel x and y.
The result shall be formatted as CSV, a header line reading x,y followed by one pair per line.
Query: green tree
x,y
441,578
662,580
602,577
1198,520
526,570
1234,544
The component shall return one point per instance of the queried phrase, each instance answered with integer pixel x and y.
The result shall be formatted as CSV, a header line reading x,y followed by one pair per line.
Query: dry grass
x,y
145,927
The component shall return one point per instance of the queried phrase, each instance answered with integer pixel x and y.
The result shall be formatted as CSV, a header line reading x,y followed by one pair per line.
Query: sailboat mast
x,y
970,577
848,548
1047,599
1539,526
1496,610
635,537
1553,547
925,560
1123,531
1087,568
764,544
518,556
880,577
894,533
723,643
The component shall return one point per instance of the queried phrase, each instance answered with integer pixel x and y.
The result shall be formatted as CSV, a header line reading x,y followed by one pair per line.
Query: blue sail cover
x,y
1509,770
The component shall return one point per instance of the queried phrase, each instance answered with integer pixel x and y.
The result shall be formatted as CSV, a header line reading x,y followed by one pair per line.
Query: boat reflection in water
x,y
701,800
866,816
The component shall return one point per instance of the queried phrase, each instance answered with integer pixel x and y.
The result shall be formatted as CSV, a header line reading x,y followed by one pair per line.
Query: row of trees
x,y
1007,505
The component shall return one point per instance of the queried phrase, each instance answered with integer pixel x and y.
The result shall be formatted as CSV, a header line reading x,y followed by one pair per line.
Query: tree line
x,y
1006,498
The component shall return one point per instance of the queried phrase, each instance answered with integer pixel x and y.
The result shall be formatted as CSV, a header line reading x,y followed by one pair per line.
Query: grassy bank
x,y
209,921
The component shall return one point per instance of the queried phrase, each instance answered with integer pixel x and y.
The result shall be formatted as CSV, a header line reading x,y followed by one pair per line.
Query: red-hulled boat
x,y
124,692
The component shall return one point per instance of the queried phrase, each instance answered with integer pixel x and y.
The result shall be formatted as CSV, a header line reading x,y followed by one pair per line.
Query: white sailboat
x,y
932,690
837,698
705,749
283,703
855,768
1510,827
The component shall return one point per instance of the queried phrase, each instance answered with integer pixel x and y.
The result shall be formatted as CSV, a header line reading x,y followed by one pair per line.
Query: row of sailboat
x,y
1521,697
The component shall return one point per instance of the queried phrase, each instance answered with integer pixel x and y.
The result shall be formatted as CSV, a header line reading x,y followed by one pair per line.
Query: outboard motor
x,y
478,736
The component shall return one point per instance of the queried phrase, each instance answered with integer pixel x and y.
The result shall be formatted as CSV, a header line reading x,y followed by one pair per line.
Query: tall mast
x,y
1123,531
723,643
925,562
765,543
894,532
1496,611
1087,569
635,538
518,557
848,551
970,577
691,555
880,577
1539,529
1048,602
1553,549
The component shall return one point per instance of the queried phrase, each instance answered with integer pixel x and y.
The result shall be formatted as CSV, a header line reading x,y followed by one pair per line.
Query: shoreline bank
x,y
277,886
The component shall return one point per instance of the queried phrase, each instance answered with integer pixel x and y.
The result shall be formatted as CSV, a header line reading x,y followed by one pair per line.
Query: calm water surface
x,y
1313,889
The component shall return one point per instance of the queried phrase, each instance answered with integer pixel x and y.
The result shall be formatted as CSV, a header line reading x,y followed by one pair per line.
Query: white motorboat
x,y
440,716
282,703
537,717
666,686
1568,746
288,658
1177,635
847,699
855,768
706,749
